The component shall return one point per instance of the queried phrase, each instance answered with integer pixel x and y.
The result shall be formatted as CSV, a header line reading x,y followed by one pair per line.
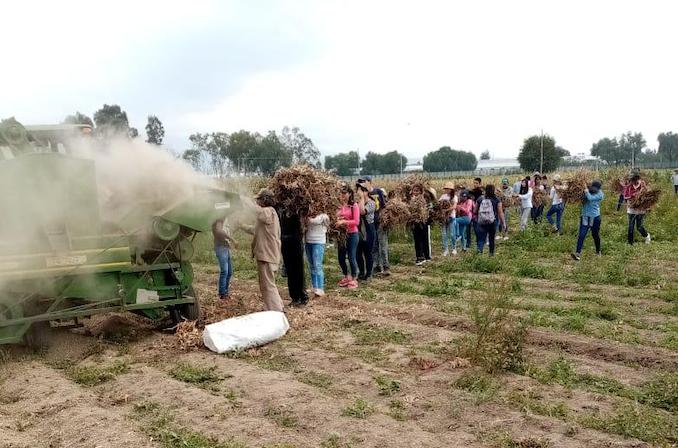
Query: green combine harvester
x,y
60,262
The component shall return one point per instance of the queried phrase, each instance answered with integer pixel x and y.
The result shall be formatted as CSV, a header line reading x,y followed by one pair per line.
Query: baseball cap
x,y
365,179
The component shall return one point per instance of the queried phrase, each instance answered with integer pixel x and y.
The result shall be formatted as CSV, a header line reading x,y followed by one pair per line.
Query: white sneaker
x,y
319,292
497,238
454,251
446,253
419,263
648,239
505,238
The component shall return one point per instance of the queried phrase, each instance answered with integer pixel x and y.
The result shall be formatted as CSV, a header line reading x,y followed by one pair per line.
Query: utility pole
x,y
358,151
541,145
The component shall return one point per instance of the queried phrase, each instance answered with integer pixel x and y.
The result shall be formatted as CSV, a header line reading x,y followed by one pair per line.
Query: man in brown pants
x,y
266,248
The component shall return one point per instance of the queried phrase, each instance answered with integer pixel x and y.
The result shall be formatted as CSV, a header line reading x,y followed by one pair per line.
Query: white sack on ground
x,y
243,332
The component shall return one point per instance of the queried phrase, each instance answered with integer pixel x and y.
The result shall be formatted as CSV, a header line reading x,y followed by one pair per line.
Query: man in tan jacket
x,y
266,248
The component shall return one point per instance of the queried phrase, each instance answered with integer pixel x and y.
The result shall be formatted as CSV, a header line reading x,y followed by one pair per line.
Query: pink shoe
x,y
353,284
344,281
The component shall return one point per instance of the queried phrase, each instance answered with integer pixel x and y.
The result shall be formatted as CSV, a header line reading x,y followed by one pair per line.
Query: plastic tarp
x,y
243,332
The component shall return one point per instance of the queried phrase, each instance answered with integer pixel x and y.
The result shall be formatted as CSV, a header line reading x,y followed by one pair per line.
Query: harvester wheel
x,y
37,336
188,311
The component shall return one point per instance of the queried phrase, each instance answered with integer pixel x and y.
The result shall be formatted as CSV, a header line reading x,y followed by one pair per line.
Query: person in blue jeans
x,y
488,210
463,220
590,218
315,240
448,229
557,204
222,249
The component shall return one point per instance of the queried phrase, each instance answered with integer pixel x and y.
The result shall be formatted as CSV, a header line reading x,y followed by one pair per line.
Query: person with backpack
x,y
590,218
488,210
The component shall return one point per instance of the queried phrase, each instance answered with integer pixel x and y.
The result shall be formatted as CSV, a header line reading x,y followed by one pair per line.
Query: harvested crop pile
x,y
507,199
306,191
418,208
441,211
575,186
189,337
396,213
404,188
616,178
645,200
538,197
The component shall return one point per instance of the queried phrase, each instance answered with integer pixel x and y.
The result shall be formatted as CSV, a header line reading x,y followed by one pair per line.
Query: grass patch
x,y
358,409
159,424
530,401
368,334
316,379
282,417
197,375
334,440
507,441
530,270
661,392
483,387
442,288
396,410
94,375
386,385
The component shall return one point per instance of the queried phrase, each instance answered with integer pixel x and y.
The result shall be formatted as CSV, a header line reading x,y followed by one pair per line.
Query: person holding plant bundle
x,y
367,232
448,230
488,210
316,238
292,238
507,192
420,228
380,251
348,219
557,204
537,211
633,188
464,210
525,195
476,192
590,218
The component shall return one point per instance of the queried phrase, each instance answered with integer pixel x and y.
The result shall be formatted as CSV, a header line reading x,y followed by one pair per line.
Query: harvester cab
x,y
59,261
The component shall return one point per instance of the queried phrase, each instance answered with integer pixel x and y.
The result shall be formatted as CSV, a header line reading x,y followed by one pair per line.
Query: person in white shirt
x,y
675,181
557,205
525,195
315,238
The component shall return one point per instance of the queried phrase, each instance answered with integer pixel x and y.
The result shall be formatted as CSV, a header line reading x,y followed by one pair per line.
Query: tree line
x,y
111,120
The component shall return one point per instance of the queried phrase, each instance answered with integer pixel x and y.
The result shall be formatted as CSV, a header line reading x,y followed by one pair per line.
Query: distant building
x,y
499,163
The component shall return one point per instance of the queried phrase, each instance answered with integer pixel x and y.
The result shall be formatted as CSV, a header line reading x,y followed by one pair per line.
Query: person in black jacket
x,y
292,248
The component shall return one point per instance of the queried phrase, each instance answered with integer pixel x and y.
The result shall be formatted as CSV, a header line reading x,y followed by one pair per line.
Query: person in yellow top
x,y
266,248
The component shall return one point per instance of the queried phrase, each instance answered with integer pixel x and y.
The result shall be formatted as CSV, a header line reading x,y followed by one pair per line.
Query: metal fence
x,y
507,171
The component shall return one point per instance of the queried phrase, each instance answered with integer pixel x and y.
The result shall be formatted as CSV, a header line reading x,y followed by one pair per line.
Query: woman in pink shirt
x,y
348,217
463,219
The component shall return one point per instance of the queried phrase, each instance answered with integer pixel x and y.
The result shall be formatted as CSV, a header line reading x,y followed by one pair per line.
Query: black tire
x,y
37,337
187,311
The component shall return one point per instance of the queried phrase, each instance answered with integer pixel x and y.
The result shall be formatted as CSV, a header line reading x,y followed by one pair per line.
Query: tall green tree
x,y
668,146
111,120
155,131
390,163
132,132
215,147
269,154
78,118
240,145
529,156
632,144
302,148
194,157
485,155
448,159
608,150
344,164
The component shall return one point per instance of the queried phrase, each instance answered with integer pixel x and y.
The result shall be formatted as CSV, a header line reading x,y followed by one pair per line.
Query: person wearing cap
x,y
674,178
590,218
367,232
380,249
633,188
507,191
557,204
266,248
448,231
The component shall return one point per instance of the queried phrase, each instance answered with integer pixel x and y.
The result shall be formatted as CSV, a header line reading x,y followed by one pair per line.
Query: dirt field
x,y
382,366
372,368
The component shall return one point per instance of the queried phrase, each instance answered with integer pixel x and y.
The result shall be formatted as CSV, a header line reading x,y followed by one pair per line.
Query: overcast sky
x,y
367,75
